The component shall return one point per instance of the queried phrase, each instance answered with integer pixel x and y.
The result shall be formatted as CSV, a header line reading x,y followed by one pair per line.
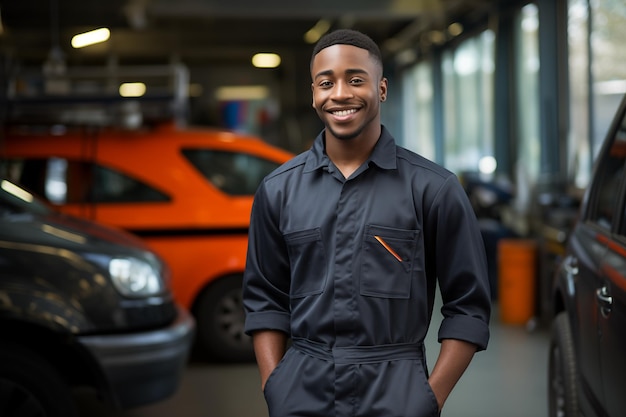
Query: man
x,y
347,242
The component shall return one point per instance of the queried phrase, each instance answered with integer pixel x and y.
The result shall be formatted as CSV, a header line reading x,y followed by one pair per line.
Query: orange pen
x,y
389,249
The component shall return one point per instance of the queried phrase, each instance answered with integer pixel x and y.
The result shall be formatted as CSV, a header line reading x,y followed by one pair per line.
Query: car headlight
x,y
134,277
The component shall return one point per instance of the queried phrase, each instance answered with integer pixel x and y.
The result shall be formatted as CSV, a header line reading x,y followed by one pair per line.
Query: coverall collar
x,y
383,155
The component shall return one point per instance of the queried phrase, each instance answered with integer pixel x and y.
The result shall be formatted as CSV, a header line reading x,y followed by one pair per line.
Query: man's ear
x,y
383,89
312,96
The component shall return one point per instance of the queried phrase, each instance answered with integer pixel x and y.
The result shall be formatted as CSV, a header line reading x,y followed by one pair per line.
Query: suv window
x,y
233,173
63,181
609,179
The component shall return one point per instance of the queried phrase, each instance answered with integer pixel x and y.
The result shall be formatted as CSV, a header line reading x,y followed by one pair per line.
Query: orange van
x,y
188,193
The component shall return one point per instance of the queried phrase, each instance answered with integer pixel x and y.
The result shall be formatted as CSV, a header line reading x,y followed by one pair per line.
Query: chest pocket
x,y
307,261
388,256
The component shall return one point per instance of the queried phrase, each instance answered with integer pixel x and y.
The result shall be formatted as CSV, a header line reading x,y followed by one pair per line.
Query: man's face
x,y
347,90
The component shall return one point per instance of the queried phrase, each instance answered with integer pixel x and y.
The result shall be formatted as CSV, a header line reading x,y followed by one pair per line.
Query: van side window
x,y
29,174
608,187
231,172
64,181
112,186
53,179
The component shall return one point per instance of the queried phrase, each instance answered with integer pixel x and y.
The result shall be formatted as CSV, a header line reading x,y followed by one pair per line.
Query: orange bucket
x,y
517,260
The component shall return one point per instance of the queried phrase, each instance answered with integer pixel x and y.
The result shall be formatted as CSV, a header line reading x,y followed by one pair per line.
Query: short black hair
x,y
348,37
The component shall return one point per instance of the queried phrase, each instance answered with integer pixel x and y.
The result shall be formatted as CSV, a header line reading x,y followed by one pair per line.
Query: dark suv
x,y
82,305
587,371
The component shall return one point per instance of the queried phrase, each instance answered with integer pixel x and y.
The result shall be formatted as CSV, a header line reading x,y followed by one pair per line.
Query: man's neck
x,y
349,154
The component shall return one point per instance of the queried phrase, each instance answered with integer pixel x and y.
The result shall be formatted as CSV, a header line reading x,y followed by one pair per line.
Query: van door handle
x,y
605,300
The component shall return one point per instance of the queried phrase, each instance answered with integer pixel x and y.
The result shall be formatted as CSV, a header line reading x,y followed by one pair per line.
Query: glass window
x,y
608,182
596,30
112,186
29,174
468,103
419,135
233,173
62,181
579,156
608,69
527,89
48,178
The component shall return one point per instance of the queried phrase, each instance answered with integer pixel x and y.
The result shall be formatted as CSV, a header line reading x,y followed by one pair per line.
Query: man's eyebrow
x,y
356,71
349,71
325,72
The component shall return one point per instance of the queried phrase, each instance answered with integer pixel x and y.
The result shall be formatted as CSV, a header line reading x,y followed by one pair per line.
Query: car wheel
x,y
562,373
220,321
31,387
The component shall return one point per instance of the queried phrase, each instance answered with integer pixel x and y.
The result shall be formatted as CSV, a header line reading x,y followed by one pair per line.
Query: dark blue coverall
x,y
348,268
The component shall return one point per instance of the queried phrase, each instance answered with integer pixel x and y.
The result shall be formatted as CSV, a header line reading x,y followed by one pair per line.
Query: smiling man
x,y
347,243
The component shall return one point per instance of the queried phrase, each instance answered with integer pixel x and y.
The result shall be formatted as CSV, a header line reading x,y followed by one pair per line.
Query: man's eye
x,y
356,81
326,84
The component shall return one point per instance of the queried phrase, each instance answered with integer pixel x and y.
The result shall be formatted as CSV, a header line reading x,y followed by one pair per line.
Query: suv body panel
x,y
590,283
57,299
612,327
143,367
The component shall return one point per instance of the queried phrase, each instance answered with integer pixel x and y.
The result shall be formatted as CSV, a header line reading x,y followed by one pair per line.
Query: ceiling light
x,y
455,29
437,37
89,38
264,60
317,31
244,92
132,89
406,57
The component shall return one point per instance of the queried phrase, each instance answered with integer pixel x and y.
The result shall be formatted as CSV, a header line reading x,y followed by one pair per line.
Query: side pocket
x,y
308,262
431,394
273,375
388,256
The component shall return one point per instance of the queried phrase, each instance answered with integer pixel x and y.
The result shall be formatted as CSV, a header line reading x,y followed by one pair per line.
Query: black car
x,y
82,305
587,371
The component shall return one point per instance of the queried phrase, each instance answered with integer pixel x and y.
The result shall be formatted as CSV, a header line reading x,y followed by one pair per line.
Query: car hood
x,y
64,231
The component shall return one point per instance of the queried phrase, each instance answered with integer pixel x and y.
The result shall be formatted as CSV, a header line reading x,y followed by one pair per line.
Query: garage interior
x,y
188,51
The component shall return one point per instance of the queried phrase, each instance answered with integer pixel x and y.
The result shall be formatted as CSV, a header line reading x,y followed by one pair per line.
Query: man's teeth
x,y
344,112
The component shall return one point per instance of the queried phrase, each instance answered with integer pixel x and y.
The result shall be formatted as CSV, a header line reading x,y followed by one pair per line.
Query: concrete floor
x,y
508,379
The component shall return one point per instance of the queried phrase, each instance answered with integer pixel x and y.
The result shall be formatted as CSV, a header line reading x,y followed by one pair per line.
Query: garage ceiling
x,y
211,32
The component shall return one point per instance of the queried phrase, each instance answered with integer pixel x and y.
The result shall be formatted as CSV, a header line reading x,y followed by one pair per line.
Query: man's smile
x,y
344,112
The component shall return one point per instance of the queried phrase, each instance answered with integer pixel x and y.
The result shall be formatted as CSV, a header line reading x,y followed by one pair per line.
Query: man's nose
x,y
341,91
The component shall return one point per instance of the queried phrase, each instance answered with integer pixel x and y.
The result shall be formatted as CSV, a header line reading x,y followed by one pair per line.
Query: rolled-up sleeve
x,y
460,266
266,277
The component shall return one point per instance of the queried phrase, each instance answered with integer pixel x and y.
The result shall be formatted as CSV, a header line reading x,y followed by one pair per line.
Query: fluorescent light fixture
x,y
244,92
132,89
266,60
89,38
316,32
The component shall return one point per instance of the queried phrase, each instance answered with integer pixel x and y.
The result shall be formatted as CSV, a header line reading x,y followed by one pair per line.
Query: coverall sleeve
x,y
461,266
266,276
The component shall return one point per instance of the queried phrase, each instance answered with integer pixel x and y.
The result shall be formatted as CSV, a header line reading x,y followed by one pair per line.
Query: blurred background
x,y
513,96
